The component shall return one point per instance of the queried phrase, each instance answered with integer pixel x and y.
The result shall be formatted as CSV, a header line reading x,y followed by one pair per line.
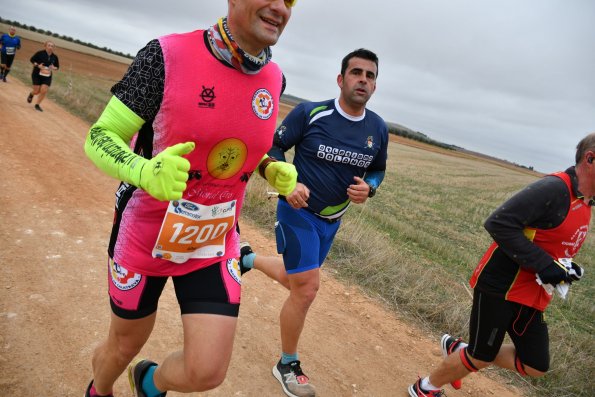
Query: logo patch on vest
x,y
207,97
122,278
262,104
233,267
227,158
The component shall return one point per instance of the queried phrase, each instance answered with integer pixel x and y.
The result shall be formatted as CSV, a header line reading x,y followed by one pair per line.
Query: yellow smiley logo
x,y
227,158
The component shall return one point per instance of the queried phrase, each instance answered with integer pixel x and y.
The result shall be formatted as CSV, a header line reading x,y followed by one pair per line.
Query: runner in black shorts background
x,y
536,233
45,62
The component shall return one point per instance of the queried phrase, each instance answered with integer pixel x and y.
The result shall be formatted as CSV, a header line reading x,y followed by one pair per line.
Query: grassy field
x,y
414,245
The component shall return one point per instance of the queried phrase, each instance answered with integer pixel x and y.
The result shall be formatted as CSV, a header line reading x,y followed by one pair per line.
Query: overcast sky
x,y
514,79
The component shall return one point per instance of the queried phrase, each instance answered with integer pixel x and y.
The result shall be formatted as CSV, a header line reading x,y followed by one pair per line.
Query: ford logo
x,y
190,206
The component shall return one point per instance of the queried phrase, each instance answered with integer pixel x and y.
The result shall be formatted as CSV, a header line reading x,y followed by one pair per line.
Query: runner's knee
x,y
472,364
127,350
308,292
202,379
535,370
304,293
126,345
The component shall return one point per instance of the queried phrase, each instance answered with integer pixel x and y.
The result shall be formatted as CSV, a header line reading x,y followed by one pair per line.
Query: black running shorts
x,y
41,80
492,317
6,59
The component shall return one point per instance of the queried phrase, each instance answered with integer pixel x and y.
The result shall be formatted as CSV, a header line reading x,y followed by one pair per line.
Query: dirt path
x,y
55,214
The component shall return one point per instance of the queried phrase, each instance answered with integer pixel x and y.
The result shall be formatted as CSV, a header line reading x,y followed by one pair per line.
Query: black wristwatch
x,y
372,191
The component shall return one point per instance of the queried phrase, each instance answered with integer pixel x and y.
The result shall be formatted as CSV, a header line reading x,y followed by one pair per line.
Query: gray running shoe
x,y
293,380
136,372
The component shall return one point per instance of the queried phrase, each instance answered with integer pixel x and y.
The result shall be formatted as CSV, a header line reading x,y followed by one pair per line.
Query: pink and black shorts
x,y
215,289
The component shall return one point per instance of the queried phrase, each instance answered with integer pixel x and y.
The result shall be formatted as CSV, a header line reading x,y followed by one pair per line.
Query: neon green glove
x,y
282,176
164,176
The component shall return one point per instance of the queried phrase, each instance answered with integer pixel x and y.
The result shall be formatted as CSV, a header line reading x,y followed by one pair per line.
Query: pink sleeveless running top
x,y
231,116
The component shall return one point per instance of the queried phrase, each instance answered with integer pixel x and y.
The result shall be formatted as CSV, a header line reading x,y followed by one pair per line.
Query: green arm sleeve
x,y
107,143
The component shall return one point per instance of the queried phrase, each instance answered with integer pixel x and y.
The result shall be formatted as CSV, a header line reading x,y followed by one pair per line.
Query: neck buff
x,y
227,49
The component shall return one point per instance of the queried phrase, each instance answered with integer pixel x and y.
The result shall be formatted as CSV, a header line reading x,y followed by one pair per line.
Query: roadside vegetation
x,y
414,245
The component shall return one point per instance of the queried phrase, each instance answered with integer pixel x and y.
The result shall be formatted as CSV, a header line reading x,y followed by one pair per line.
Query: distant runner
x,y
45,63
10,43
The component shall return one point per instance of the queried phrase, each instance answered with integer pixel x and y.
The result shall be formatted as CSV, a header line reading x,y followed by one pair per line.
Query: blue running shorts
x,y
303,238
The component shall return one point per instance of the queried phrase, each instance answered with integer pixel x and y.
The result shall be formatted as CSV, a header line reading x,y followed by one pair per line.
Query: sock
x,y
248,260
148,385
93,392
461,345
426,385
287,358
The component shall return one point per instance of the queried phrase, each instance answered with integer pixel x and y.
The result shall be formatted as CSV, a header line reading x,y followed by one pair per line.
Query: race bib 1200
x,y
191,230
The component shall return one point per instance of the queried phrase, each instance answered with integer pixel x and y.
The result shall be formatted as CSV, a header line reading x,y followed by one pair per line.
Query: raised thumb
x,y
180,149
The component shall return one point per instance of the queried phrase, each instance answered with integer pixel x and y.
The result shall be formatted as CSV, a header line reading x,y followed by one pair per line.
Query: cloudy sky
x,y
514,79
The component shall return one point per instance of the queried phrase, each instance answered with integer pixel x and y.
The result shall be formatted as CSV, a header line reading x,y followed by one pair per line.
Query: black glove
x,y
576,272
555,273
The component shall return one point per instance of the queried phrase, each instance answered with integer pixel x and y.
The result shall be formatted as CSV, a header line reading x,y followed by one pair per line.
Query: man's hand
x,y
164,176
576,271
358,193
555,273
299,197
282,176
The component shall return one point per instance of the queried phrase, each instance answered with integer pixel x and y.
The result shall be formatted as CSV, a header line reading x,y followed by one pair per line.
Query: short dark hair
x,y
359,53
586,144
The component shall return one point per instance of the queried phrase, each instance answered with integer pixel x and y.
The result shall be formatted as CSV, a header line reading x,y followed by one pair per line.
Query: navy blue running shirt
x,y
331,147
